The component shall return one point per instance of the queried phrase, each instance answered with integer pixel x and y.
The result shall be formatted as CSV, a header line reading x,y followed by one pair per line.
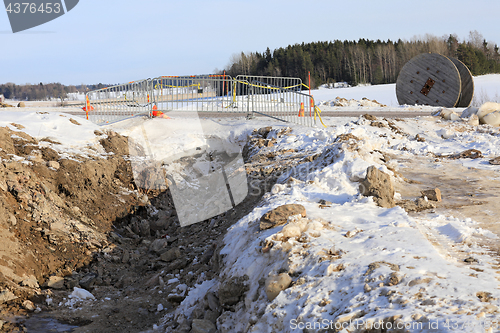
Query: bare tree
x,y
475,39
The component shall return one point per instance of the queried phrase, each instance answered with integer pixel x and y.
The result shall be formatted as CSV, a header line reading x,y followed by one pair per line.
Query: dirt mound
x,y
74,221
54,213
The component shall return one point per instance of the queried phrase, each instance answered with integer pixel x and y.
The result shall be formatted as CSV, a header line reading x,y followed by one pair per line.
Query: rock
x,y
158,245
264,131
495,161
21,105
208,254
28,305
144,228
153,281
446,133
378,184
434,194
394,279
275,284
492,119
30,282
378,124
87,282
377,264
484,296
125,257
211,316
444,112
346,137
53,164
473,120
487,108
471,153
417,281
178,264
232,290
325,202
171,255
174,298
448,114
36,156
423,204
213,302
54,282
280,215
419,138
352,233
368,116
12,219
202,326
469,112
7,295
416,206
471,260
453,116
70,282
162,221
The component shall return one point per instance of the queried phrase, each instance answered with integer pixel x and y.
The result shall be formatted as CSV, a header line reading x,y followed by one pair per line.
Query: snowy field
x,y
354,265
486,88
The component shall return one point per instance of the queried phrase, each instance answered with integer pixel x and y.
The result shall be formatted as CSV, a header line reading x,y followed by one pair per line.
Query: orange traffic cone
x,y
301,112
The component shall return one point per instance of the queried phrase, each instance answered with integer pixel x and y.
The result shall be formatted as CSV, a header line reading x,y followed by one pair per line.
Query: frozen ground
x,y
354,265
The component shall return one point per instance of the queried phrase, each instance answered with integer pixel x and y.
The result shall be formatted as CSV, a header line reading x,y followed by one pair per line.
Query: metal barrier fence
x,y
119,102
276,97
193,93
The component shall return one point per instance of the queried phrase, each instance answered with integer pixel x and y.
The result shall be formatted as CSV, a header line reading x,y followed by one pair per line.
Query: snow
x,y
338,280
81,294
486,88
71,138
77,296
387,236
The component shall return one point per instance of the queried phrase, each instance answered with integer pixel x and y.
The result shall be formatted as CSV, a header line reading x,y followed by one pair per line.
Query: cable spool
x,y
435,80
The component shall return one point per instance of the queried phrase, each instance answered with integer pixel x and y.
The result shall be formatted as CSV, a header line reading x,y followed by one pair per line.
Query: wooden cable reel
x,y
435,80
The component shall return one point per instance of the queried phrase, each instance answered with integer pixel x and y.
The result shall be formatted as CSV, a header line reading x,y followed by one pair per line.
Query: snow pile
x,y
64,133
352,263
77,296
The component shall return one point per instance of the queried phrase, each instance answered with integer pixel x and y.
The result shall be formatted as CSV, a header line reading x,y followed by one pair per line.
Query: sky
x,y
117,41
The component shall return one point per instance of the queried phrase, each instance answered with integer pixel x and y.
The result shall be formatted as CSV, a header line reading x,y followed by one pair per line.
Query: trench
x,y
123,282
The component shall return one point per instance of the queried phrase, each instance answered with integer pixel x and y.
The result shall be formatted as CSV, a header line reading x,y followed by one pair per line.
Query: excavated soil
x,y
56,214
73,221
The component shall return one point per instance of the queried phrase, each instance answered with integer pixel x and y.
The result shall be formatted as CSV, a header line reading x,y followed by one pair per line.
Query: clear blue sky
x,y
115,41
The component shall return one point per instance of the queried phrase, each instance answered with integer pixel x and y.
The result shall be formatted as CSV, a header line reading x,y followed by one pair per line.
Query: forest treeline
x,y
43,92
355,62
363,61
